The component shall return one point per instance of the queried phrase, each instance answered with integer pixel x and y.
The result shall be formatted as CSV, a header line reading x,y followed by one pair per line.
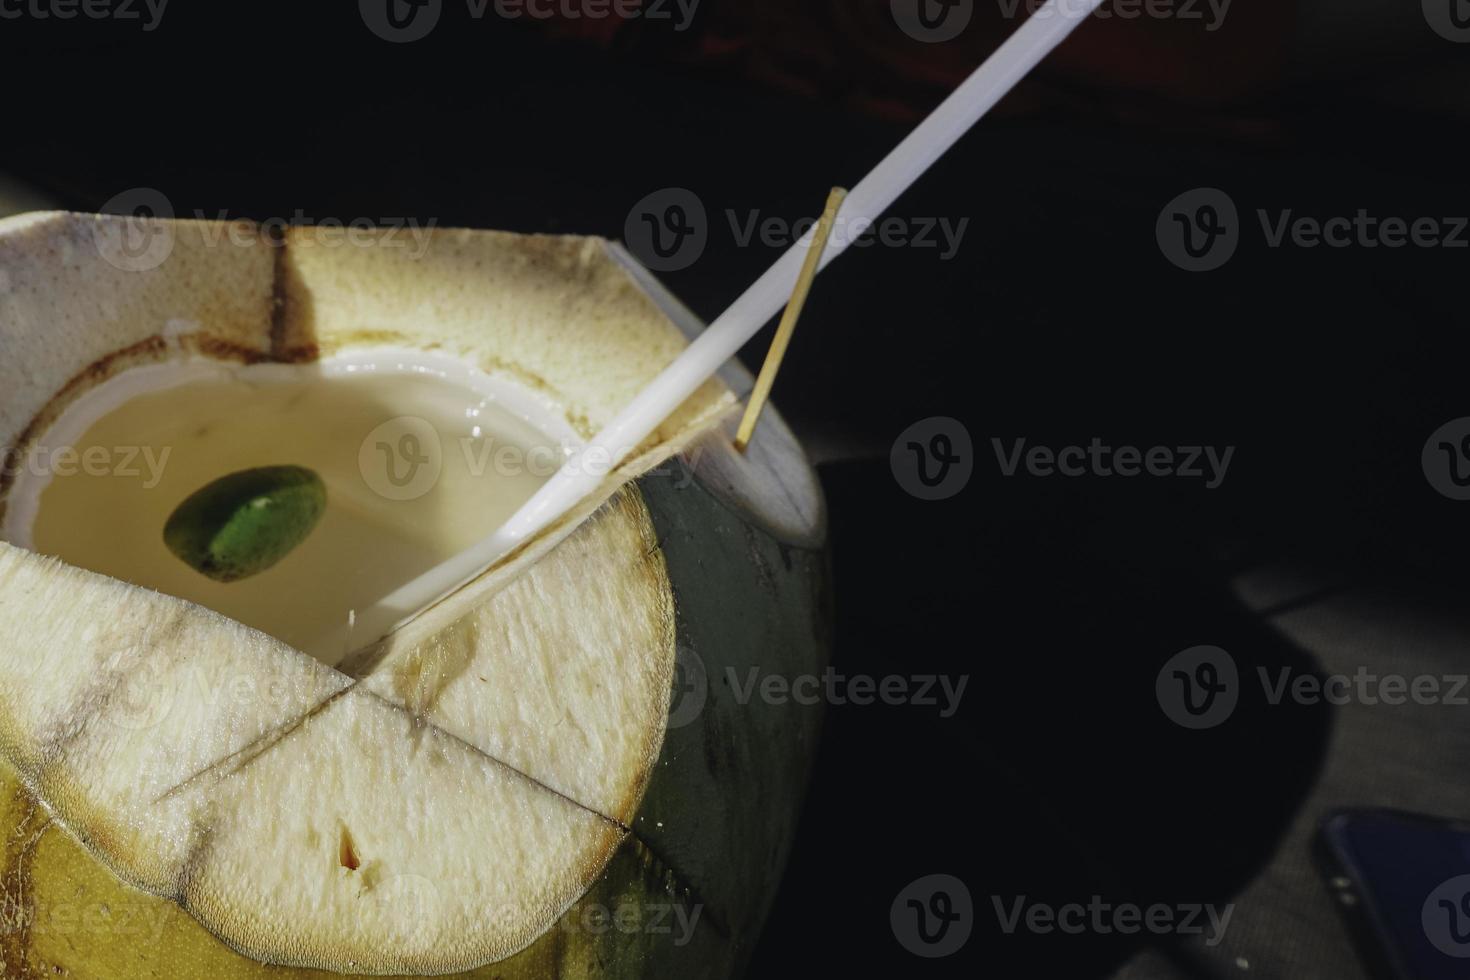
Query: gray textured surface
x,y
1411,757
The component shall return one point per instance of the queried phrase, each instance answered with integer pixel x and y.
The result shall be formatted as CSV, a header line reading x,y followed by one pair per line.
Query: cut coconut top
x,y
554,313
489,761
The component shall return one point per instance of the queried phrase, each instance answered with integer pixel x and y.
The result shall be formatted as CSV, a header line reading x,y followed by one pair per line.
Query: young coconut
x,y
506,787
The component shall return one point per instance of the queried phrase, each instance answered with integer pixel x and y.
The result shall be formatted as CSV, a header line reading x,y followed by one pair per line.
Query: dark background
x,y
1059,319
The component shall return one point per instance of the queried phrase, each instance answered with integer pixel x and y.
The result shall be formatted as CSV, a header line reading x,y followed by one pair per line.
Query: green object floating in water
x,y
243,523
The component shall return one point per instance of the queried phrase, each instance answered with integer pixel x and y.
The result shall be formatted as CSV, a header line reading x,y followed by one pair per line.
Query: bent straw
x,y
579,476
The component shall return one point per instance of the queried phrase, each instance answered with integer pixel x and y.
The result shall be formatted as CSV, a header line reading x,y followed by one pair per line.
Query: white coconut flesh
x,y
437,804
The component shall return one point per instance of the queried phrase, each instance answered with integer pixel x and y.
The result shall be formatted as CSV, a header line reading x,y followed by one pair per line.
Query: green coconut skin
x,y
245,522
721,810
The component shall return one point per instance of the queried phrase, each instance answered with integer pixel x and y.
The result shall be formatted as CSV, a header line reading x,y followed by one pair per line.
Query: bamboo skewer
x,y
763,382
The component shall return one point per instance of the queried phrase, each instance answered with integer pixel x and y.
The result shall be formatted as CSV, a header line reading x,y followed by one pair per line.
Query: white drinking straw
x,y
585,468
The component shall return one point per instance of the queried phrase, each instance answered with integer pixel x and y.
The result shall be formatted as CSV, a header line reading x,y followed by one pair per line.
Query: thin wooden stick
x,y
763,382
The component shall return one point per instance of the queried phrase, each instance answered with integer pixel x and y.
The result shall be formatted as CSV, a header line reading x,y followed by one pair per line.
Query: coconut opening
x,y
421,455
